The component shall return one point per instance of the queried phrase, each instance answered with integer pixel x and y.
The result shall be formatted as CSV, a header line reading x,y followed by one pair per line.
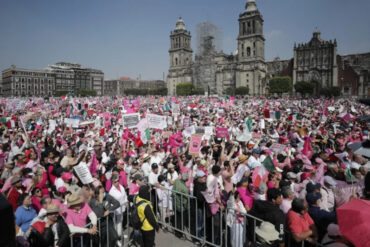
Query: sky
x,y
131,37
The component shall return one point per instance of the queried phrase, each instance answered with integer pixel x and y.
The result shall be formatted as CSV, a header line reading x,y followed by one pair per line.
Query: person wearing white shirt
x,y
118,192
153,176
164,198
145,167
172,175
254,160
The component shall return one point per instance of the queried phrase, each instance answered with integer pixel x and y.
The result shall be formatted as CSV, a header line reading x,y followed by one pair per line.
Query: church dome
x,y
250,6
180,25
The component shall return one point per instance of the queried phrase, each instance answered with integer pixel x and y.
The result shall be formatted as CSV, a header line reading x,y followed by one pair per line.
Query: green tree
x,y
59,93
241,90
86,92
158,91
198,91
304,87
184,89
280,84
230,91
330,91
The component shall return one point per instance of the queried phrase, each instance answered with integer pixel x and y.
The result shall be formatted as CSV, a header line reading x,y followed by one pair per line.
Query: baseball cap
x,y
200,174
311,187
312,198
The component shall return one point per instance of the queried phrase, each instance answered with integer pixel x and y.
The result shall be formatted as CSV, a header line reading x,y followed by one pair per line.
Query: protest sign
x,y
52,125
74,123
157,121
176,109
189,131
195,144
277,148
208,132
186,122
167,134
83,173
222,132
169,121
130,120
199,131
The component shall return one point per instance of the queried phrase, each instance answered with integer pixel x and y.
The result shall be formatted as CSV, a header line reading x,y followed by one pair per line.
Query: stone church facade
x,y
316,61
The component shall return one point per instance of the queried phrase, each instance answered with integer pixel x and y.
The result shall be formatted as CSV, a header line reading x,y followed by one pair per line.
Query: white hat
x,y
267,232
333,230
292,175
330,180
278,169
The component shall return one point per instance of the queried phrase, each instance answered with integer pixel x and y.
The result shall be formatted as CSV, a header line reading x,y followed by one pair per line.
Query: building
x,y
59,77
118,87
25,82
316,61
72,77
216,71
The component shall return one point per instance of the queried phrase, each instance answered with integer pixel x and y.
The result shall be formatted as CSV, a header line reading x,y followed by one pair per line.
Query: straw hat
x,y
242,158
74,200
146,157
266,231
52,208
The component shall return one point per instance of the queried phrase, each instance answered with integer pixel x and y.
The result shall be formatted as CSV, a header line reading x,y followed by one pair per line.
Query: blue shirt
x,y
24,216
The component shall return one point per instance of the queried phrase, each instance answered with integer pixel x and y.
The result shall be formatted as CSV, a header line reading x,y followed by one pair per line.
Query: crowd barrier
x,y
180,214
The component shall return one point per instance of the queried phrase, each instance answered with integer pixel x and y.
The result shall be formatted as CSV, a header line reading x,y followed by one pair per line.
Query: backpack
x,y
134,215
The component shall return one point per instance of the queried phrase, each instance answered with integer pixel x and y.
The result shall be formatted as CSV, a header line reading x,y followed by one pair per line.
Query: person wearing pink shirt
x,y
245,194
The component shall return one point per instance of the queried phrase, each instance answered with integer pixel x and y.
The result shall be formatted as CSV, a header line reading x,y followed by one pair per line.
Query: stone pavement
x,y
168,239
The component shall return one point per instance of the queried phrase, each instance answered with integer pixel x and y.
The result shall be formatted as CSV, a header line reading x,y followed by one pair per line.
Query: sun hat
x,y
242,158
146,157
203,162
291,175
333,230
170,166
329,180
74,199
267,232
15,180
52,208
256,151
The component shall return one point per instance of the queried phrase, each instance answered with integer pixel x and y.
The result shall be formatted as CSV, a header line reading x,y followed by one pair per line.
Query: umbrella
x,y
362,148
353,220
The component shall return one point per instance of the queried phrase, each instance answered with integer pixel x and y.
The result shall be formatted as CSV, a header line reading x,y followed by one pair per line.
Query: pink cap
x,y
305,175
66,176
62,189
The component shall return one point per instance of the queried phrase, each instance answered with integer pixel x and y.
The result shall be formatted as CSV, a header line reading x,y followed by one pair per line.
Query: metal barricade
x,y
103,237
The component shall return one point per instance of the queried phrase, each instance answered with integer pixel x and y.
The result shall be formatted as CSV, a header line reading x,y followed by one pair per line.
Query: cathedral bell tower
x,y
251,43
181,56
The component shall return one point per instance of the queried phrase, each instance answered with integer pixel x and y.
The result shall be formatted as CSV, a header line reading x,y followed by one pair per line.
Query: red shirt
x,y
299,223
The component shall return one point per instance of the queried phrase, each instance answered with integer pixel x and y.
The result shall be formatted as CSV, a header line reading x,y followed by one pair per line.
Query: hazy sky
x,y
131,37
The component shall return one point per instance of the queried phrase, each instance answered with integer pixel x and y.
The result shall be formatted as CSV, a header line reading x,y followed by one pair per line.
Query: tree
x,y
86,92
304,87
280,84
198,91
230,91
242,90
184,89
158,91
330,91
59,93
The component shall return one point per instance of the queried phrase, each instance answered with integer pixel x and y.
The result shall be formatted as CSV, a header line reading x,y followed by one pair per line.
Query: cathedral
x,y
316,61
217,71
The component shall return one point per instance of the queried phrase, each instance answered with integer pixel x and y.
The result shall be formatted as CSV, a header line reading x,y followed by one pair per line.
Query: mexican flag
x,y
268,164
249,124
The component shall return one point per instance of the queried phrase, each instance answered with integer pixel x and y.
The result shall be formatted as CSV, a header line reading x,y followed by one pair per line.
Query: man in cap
x,y
321,217
76,217
145,166
327,193
200,186
147,216
242,170
254,160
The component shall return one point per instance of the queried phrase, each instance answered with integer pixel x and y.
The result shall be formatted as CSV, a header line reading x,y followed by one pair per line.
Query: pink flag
x,y
94,165
307,149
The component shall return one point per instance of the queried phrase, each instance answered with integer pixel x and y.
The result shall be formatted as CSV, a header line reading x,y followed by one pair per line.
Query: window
x,y
254,44
244,29
176,61
248,51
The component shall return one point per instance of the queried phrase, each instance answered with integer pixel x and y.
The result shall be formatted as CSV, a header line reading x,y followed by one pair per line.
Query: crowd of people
x,y
71,167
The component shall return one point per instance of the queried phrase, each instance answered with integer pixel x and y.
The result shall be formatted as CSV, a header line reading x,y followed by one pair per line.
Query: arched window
x,y
242,50
248,51
176,61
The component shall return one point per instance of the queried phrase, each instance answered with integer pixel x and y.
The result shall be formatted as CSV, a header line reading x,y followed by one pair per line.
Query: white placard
x,y
157,121
131,120
74,123
83,174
